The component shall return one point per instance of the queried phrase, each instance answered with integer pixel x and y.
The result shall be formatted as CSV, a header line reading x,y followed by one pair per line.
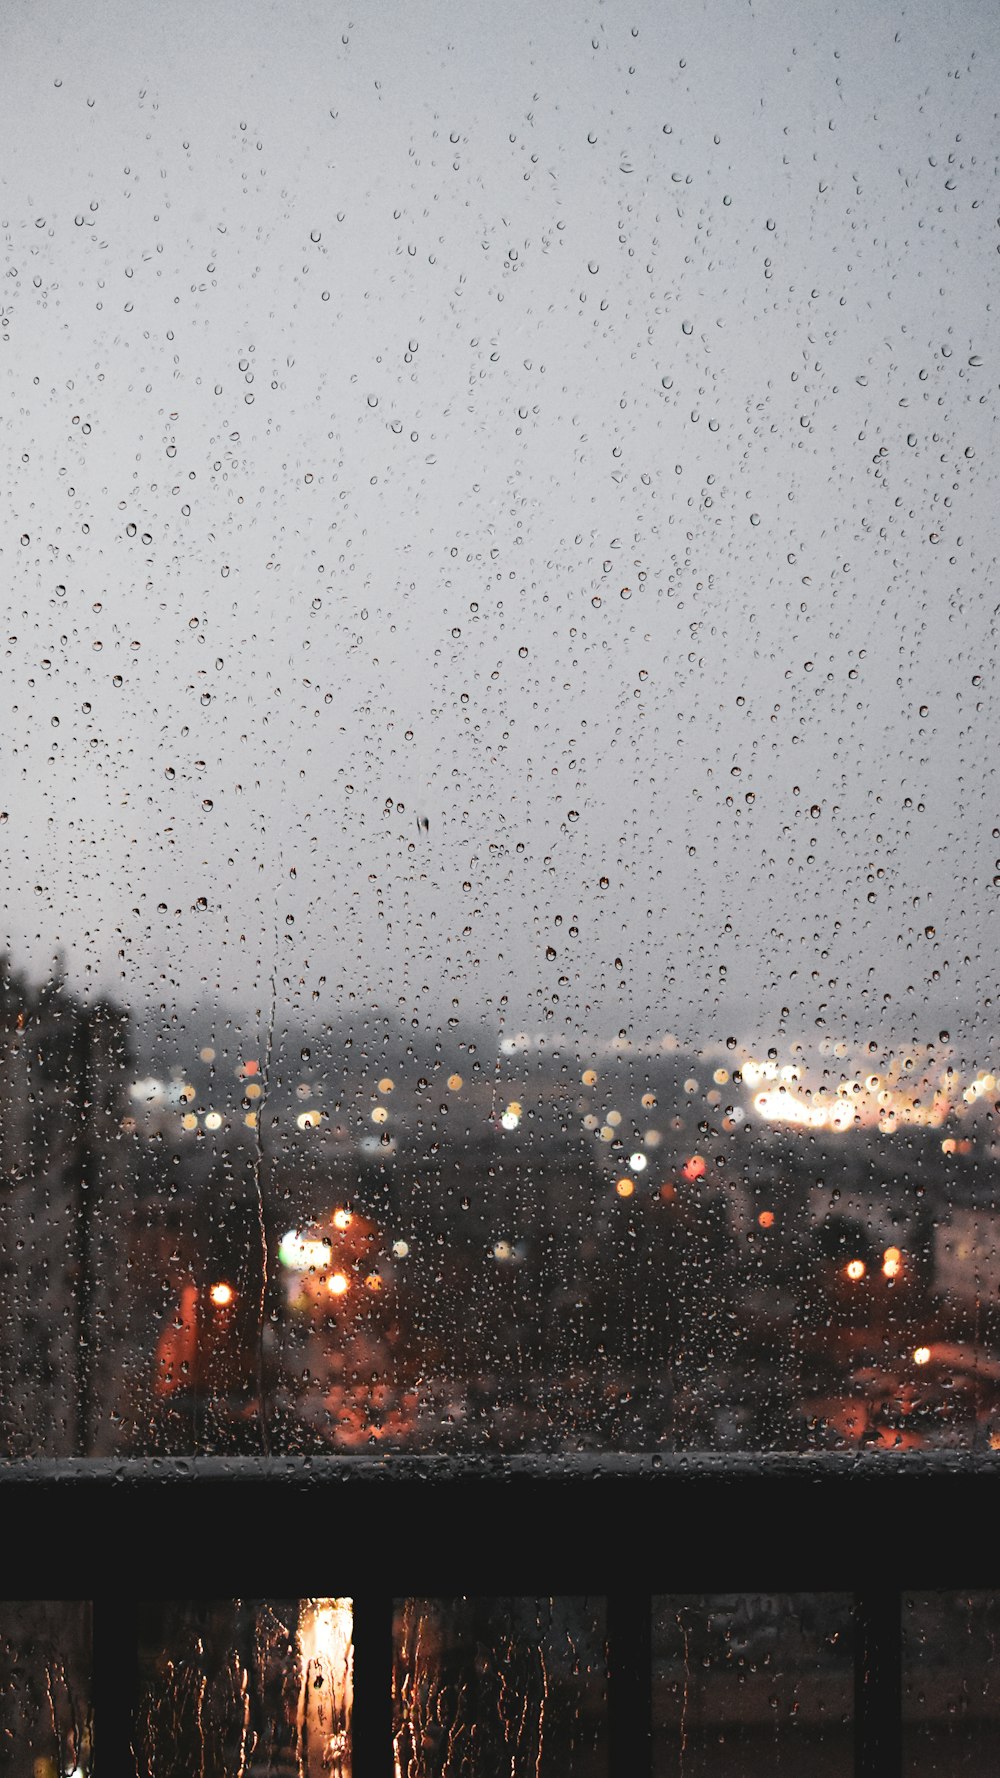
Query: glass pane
x,y
494,1686
499,549
242,1686
45,1666
951,1684
753,1683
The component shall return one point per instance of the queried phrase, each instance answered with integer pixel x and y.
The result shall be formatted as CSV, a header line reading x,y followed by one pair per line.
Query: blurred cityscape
x,y
365,1237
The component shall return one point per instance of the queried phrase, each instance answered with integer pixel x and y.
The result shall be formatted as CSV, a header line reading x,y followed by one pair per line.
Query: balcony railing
x,y
626,1529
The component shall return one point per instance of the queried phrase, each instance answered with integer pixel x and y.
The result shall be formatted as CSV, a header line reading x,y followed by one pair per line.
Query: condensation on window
x,y
499,550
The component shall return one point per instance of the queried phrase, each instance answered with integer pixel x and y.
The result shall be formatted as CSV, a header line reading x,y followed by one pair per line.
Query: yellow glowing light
x,y
373,1281
386,1085
221,1295
607,1133
187,1094
855,1269
891,1268
254,1090
721,1076
338,1283
379,1115
213,1120
589,1077
308,1120
691,1086
207,1054
653,1138
613,1118
922,1355
326,1685
625,1187
949,1145
342,1219
648,1101
514,1108
892,1256
454,1083
251,1120
590,1122
189,1121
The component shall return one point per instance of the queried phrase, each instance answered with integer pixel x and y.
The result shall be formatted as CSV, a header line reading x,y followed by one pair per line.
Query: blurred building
x,y
65,1214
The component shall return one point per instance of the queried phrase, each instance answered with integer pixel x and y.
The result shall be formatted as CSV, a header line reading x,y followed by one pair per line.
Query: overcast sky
x,y
500,502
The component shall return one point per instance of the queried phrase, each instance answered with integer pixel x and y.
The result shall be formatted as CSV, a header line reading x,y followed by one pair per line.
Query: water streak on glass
x,y
494,1686
951,1684
239,1687
754,1683
46,1726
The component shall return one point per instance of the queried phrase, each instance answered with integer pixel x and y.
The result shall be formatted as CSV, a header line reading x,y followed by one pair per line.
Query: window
x,y
500,860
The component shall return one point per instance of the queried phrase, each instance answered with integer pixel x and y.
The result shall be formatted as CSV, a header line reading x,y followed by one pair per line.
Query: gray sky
x,y
568,428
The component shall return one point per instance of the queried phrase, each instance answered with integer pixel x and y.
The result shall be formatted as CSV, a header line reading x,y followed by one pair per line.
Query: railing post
x,y
878,1684
630,1685
371,1719
113,1686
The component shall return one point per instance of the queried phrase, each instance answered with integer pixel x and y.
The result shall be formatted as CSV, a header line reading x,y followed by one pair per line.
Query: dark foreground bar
x,y
378,1529
217,1527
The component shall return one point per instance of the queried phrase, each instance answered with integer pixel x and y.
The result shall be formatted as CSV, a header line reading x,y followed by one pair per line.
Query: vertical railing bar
x,y
113,1686
371,1720
630,1685
878,1687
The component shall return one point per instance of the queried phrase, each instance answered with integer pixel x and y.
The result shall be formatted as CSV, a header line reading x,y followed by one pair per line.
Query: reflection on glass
x,y
754,1684
490,1687
951,1685
46,1729
237,1687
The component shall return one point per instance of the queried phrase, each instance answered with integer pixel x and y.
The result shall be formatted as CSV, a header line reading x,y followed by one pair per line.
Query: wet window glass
x,y
951,1686
46,1720
245,1686
752,1682
494,1686
498,553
